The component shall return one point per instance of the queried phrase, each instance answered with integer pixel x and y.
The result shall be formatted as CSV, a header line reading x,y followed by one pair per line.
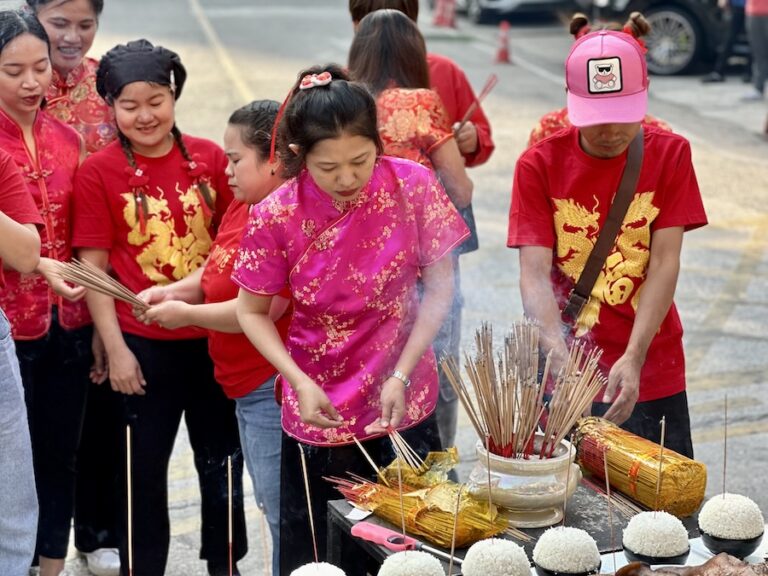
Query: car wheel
x,y
674,42
477,13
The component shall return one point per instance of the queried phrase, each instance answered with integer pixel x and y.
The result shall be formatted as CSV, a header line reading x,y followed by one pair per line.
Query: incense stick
x,y
489,84
725,439
488,465
400,493
130,497
567,481
610,508
229,512
455,525
87,274
661,462
370,461
309,500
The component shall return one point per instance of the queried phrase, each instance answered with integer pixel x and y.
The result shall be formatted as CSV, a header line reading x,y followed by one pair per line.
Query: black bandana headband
x,y
138,61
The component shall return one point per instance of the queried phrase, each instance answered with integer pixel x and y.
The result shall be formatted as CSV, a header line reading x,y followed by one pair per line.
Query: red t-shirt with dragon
x,y
239,367
179,231
560,199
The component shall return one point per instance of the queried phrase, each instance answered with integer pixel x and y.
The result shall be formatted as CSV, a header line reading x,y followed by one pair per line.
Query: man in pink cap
x,y
563,190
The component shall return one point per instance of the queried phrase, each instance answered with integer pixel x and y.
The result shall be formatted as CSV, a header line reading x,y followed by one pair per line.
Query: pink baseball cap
x,y
606,79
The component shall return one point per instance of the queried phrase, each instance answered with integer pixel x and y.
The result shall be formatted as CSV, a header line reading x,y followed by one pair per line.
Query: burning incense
x,y
400,489
725,439
455,524
309,500
130,497
661,461
488,466
567,482
489,85
405,453
229,512
610,508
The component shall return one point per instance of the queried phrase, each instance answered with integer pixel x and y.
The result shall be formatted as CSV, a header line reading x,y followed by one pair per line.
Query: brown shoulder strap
x,y
607,238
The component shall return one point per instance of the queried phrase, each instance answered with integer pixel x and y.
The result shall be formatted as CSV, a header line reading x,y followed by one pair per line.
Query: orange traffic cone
x,y
445,14
503,56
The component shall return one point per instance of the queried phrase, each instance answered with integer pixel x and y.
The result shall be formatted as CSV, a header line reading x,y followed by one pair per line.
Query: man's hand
x,y
392,407
100,368
125,373
625,375
466,138
315,407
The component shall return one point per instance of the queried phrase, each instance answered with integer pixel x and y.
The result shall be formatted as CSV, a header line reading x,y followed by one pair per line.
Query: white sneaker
x,y
754,95
103,562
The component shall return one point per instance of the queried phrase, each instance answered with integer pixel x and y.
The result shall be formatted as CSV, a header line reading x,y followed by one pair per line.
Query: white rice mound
x,y
495,557
731,516
566,549
318,569
656,534
411,563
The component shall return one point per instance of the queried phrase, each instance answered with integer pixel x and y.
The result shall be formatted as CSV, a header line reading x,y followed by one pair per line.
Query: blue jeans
x,y
258,416
18,499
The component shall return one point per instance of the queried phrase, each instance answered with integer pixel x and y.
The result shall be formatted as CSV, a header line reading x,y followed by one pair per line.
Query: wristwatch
x,y
402,377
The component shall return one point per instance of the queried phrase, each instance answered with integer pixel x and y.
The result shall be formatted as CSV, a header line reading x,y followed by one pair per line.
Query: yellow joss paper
x,y
633,468
429,512
438,465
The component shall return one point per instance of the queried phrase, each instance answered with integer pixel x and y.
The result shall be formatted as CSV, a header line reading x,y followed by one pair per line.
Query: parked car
x,y
486,11
684,33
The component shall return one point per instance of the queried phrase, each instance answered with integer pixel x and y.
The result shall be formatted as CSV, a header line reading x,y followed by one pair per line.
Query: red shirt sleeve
x,y
15,200
92,222
450,82
530,213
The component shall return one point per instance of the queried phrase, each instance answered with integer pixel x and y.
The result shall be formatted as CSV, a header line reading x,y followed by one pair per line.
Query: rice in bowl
x,y
318,569
568,550
495,557
411,563
731,516
656,534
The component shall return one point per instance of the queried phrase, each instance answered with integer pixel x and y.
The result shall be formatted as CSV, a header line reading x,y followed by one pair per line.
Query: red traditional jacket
x,y
27,299
74,101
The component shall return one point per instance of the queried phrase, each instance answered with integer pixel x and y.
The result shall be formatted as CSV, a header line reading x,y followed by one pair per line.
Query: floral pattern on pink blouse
x,y
353,271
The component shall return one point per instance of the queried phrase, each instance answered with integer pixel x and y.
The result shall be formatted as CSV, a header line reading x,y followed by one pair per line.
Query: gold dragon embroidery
x,y
162,246
625,267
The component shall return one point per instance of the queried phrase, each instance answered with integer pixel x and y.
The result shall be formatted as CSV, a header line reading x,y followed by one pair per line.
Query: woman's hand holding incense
x,y
49,269
392,407
624,375
315,407
125,373
466,138
171,314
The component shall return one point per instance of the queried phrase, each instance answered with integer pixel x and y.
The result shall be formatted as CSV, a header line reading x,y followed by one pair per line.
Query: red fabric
x,y
556,120
756,8
239,367
178,236
74,101
412,123
27,298
450,82
15,200
560,199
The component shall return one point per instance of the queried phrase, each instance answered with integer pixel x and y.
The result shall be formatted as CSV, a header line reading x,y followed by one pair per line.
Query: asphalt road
x,y
238,50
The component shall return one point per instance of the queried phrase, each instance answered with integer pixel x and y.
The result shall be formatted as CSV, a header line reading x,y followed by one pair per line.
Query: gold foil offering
x,y
438,465
633,468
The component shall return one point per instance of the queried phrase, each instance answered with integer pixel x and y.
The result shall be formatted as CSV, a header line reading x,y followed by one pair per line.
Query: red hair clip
x,y
312,80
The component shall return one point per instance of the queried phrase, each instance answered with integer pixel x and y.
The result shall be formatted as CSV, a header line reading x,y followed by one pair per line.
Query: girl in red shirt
x,y
208,297
148,205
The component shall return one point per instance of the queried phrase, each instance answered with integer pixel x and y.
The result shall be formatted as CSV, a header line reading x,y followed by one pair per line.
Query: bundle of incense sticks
x,y
83,273
404,453
509,397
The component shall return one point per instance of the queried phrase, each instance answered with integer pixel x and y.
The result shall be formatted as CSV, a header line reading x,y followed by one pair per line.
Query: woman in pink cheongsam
x,y
350,234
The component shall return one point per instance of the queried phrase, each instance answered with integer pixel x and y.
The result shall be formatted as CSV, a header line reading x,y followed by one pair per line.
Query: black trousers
x,y
645,421
180,380
296,546
736,26
54,372
97,493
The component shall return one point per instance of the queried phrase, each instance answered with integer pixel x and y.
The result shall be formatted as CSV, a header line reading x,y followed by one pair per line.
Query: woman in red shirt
x,y
149,205
208,297
52,334
72,98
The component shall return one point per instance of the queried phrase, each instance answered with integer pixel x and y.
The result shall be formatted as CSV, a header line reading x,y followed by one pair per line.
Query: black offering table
x,y
587,510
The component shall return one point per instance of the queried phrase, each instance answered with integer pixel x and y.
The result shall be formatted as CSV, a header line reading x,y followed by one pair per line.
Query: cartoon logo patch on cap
x,y
604,75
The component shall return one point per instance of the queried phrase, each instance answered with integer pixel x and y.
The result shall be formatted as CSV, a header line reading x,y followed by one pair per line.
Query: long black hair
x,y
323,112
255,121
97,5
14,23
